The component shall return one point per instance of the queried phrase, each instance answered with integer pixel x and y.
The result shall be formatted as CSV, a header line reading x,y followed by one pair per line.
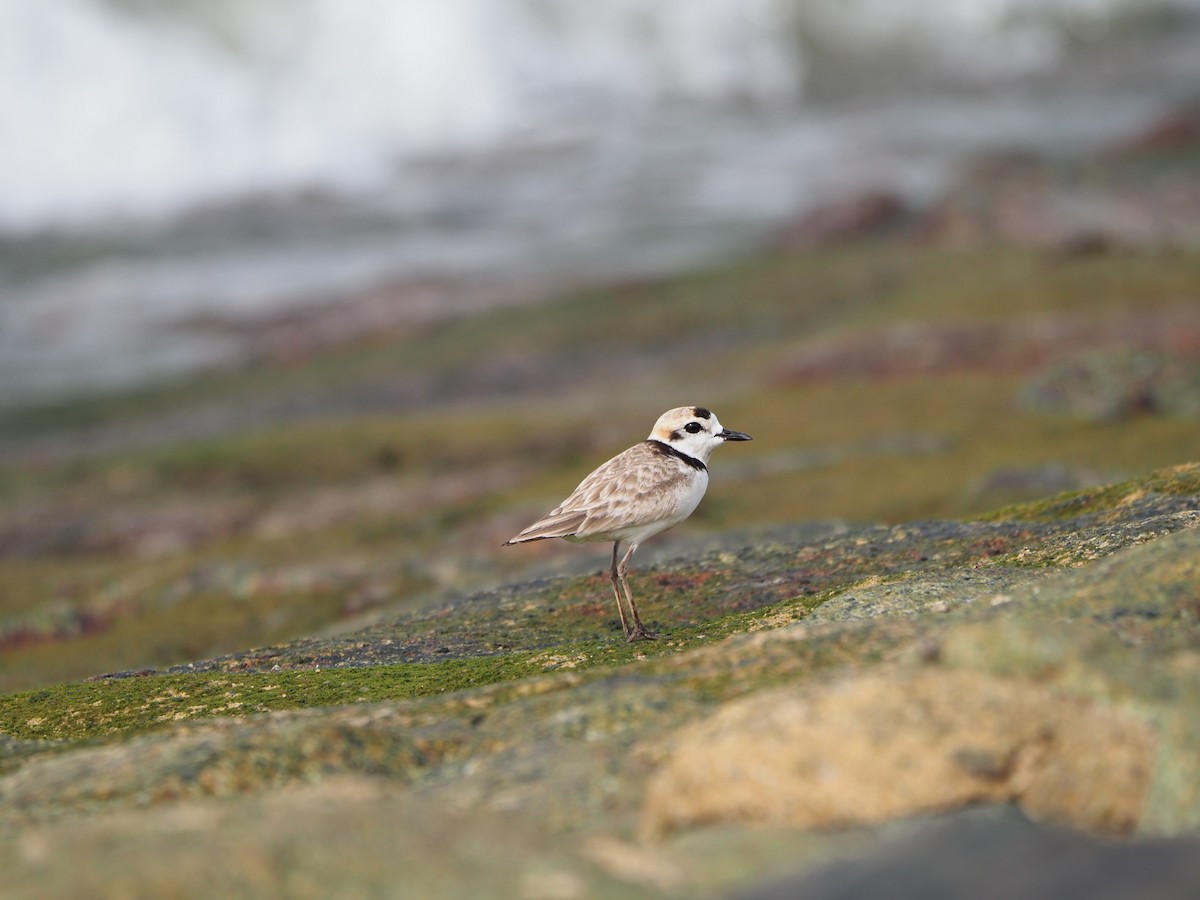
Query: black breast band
x,y
668,450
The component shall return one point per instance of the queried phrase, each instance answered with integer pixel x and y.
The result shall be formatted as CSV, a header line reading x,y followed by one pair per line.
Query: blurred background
x,y
306,306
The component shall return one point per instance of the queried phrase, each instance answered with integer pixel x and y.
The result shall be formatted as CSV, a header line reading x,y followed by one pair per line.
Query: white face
x,y
693,430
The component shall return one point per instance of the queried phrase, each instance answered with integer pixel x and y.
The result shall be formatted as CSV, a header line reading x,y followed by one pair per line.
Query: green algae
x,y
113,706
1181,480
126,704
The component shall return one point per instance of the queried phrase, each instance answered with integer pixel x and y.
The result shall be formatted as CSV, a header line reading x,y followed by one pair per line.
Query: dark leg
x,y
638,632
615,577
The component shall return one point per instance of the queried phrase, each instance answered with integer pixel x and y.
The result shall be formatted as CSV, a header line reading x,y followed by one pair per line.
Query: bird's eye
x,y
692,427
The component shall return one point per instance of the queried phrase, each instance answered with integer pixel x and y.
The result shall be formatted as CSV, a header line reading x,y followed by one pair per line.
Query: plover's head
x,y
693,430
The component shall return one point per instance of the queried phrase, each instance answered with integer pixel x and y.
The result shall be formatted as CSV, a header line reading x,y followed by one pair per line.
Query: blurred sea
x,y
174,175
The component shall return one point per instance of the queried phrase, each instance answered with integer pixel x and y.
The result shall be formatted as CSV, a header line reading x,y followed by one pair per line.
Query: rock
x,y
1139,195
918,594
1174,132
1028,344
1095,387
864,215
1109,386
1013,484
1176,392
1048,659
891,744
972,855
344,837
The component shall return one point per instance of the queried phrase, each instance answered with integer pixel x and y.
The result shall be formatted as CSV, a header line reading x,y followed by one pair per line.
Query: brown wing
x,y
633,488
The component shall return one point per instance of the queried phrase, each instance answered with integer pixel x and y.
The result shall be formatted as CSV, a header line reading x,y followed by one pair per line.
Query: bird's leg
x,y
615,576
638,632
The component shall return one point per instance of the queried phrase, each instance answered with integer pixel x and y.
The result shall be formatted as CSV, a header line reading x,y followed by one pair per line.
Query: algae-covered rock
x,y
849,678
345,837
887,745
1101,387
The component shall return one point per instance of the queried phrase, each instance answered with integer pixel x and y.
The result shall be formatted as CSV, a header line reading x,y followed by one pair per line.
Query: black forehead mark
x,y
701,413
668,450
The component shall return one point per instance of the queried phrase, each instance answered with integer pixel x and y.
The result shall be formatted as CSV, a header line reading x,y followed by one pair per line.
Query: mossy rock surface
x,y
518,726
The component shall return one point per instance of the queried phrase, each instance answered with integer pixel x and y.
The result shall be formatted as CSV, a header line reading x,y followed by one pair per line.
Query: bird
x,y
640,492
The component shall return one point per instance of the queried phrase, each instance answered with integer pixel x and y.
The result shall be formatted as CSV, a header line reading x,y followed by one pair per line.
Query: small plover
x,y
645,490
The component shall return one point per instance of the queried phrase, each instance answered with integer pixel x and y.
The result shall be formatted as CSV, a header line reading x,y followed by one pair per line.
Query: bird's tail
x,y
555,525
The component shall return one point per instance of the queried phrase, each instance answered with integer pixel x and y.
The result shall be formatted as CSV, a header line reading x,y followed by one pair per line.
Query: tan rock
x,y
892,744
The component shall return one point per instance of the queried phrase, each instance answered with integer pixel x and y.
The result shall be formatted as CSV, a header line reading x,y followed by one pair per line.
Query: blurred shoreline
x,y
282,272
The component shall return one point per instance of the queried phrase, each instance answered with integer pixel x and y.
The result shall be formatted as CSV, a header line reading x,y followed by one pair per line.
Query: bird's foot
x,y
638,633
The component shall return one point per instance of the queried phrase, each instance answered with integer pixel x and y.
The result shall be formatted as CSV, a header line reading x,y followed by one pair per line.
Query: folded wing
x,y
634,488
